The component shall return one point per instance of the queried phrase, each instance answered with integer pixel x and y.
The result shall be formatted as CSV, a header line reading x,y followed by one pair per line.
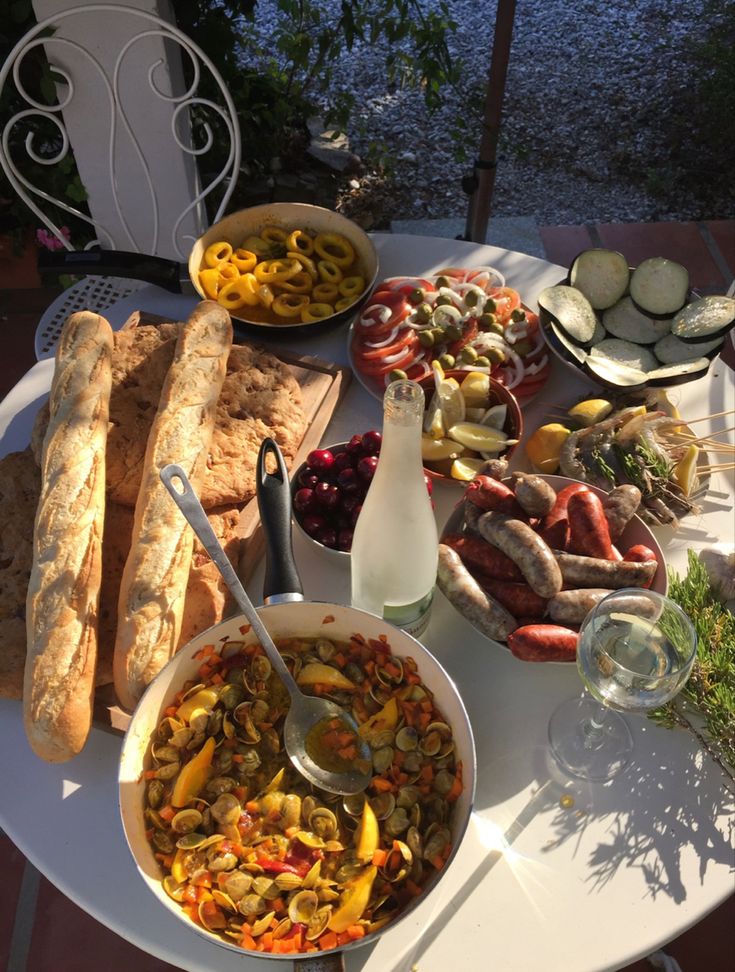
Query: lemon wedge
x,y
476,388
684,472
474,414
466,469
479,438
433,450
495,417
591,411
451,402
544,446
433,420
439,375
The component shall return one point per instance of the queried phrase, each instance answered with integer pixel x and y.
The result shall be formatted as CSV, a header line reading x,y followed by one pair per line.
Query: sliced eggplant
x,y
625,321
625,353
704,319
671,350
601,275
676,374
614,374
562,343
659,286
571,310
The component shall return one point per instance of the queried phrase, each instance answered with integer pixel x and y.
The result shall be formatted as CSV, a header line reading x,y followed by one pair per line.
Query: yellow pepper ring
x,y
274,271
239,293
209,279
325,292
274,234
306,262
343,303
332,246
265,295
301,242
228,272
329,271
217,253
300,283
244,260
352,286
289,305
316,312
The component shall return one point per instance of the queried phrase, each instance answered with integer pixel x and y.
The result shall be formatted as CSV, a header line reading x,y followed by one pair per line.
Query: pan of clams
x,y
224,830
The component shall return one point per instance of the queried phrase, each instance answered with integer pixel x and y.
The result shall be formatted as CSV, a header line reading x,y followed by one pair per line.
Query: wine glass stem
x,y
592,729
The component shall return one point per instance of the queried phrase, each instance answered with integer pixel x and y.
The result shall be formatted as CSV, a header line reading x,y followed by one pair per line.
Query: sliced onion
x,y
536,366
490,275
515,332
518,370
391,359
384,344
446,314
384,315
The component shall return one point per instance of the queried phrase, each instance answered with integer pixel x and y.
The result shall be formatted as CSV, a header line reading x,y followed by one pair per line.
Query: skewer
x,y
716,467
705,438
730,411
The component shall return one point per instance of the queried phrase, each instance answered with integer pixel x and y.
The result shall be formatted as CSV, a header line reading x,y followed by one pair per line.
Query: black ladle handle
x,y
282,581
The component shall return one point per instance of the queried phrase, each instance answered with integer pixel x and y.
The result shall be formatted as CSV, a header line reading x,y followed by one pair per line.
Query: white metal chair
x,y
139,133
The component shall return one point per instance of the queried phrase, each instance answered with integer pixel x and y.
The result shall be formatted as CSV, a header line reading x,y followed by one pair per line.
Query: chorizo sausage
x,y
526,548
593,572
543,642
489,494
478,553
519,599
554,527
620,506
588,531
465,594
534,494
639,553
572,607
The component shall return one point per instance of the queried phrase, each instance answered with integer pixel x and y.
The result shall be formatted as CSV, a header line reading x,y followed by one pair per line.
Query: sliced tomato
x,y
405,338
379,366
507,300
375,311
471,330
406,285
456,273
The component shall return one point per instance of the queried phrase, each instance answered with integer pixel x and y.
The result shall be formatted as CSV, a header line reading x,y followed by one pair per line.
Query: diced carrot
x,y
205,671
240,792
355,931
347,752
252,806
327,940
455,790
167,813
412,887
379,858
426,774
150,774
412,678
343,938
216,679
392,669
340,659
438,862
267,940
381,785
238,758
278,905
171,710
247,941
192,911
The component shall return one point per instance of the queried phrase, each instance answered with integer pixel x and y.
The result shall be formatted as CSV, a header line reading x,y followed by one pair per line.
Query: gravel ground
x,y
584,82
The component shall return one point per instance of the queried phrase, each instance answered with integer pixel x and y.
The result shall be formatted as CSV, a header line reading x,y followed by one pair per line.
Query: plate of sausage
x,y
524,559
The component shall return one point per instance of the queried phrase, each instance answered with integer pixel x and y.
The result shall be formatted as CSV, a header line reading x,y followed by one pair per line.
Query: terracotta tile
x,y
682,242
67,939
12,864
723,233
563,243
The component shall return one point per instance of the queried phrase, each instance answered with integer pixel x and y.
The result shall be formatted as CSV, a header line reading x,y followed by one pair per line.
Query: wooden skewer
x,y
705,438
717,467
730,411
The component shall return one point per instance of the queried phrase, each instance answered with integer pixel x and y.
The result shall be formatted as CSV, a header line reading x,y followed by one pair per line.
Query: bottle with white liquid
x,y
395,545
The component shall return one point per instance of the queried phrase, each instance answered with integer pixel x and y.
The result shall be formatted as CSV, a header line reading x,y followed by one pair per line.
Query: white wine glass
x,y
635,651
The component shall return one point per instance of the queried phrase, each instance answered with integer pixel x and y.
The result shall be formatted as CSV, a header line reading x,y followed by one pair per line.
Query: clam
x,y
226,809
252,904
443,782
323,823
181,737
154,793
223,900
383,805
237,884
211,918
198,841
398,862
250,762
163,842
312,875
243,717
165,753
283,927
325,649
408,796
168,771
219,785
231,695
302,906
262,924
318,923
199,721
382,759
167,728
385,737
288,881
271,742
261,668
309,839
353,804
186,821
173,888
270,804
308,803
397,822
407,739
436,843
266,887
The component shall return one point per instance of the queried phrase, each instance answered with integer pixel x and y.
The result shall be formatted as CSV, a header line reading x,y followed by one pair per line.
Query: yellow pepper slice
x,y
239,293
352,286
334,247
329,272
306,262
354,900
217,253
300,283
262,248
367,835
205,698
274,234
209,279
385,718
325,293
227,272
301,242
315,673
265,295
316,312
274,271
193,776
289,305
244,260
343,303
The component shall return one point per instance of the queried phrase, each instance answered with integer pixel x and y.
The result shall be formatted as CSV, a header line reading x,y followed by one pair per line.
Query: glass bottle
x,y
395,545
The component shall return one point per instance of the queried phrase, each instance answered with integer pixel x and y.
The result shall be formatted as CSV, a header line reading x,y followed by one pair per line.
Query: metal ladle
x,y
305,711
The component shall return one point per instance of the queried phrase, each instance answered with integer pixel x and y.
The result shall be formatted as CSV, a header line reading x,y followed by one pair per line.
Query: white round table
x,y
591,882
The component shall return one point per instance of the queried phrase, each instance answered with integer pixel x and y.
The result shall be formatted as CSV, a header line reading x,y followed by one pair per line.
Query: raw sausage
x,y
526,548
543,642
620,506
588,531
572,607
641,554
554,528
465,594
494,468
519,599
476,552
489,494
534,494
593,572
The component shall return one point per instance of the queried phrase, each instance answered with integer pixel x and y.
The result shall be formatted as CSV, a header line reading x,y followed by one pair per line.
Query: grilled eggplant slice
x,y
601,275
570,309
704,319
659,286
625,353
676,374
671,350
613,373
625,321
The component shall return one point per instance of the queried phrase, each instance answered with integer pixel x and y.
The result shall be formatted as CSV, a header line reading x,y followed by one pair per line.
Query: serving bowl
x,y
497,395
627,322
283,621
635,532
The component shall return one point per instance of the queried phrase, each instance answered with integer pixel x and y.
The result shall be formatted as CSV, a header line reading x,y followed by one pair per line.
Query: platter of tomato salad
x,y
461,317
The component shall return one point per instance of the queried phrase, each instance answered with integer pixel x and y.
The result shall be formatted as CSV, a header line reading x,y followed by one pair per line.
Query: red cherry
x,y
327,495
344,539
371,442
308,478
342,460
429,483
349,483
326,535
304,500
349,502
313,522
355,513
354,446
366,467
320,460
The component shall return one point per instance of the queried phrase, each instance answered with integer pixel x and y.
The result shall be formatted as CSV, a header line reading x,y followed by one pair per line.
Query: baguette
x,y
153,586
63,591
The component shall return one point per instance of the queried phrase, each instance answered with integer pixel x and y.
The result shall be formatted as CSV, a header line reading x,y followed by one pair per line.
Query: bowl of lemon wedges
x,y
469,418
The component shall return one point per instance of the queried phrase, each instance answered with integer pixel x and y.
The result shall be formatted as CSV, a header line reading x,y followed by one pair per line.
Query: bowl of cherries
x,y
327,491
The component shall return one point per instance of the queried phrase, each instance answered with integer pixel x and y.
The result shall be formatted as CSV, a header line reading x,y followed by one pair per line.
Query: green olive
x,y
442,281
423,313
453,332
522,347
485,321
471,298
518,315
397,374
482,361
468,355
444,300
426,339
495,355
416,296
490,306
447,360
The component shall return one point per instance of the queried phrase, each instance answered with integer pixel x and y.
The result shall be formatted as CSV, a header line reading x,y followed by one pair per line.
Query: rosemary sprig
x,y
706,704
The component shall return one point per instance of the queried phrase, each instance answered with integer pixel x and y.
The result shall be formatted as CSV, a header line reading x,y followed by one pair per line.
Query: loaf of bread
x,y
154,580
63,592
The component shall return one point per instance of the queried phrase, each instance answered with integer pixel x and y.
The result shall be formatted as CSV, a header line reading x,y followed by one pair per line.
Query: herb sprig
x,y
706,704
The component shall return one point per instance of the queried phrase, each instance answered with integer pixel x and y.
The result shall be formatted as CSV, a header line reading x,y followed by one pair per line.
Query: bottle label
x,y
412,618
